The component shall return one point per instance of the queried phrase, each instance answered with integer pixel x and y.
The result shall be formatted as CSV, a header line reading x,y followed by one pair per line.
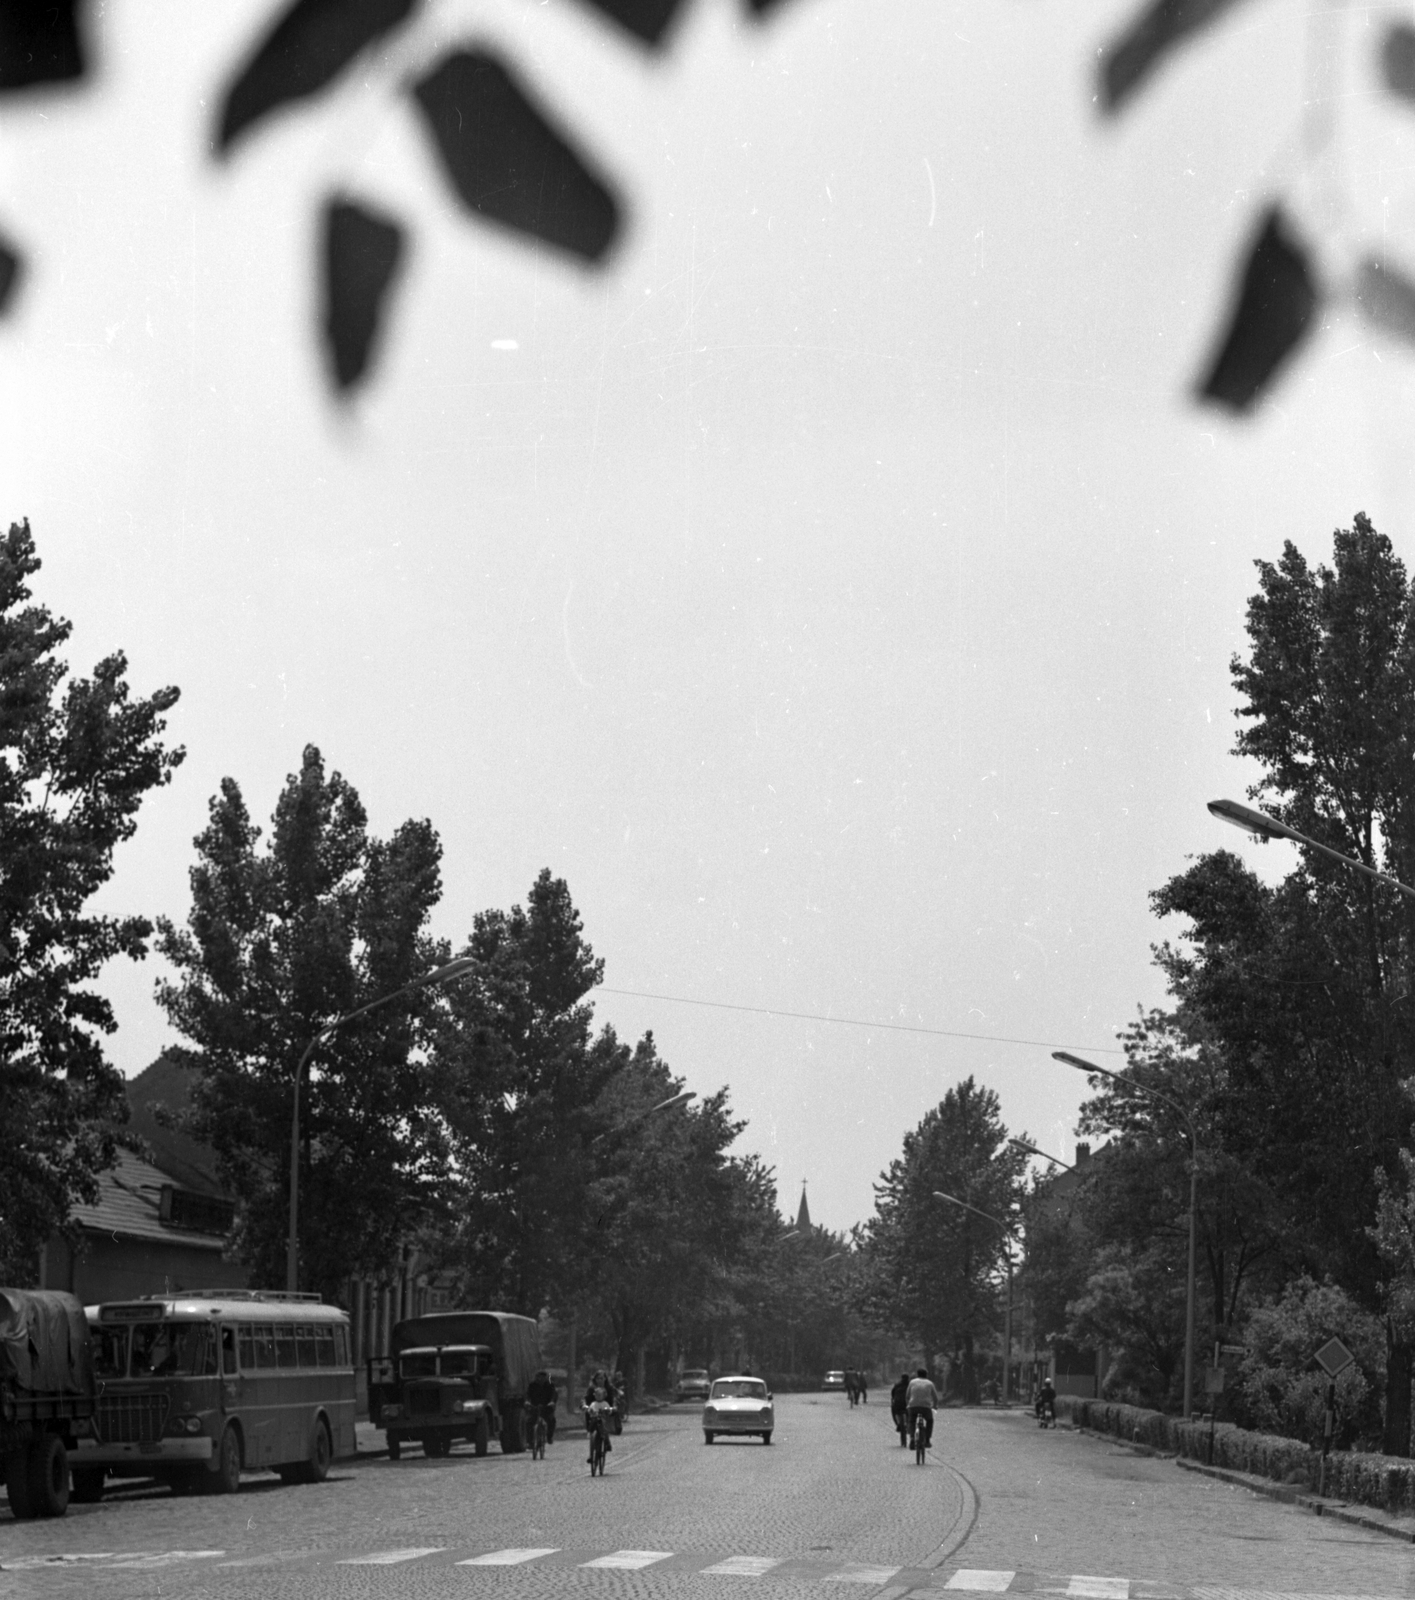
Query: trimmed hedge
x,y
1371,1480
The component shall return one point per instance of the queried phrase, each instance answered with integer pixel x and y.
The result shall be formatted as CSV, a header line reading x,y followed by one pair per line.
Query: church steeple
x,y
803,1216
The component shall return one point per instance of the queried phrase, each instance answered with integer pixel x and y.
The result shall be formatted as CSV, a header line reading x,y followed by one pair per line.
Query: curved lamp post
x,y
1011,1233
443,974
1032,1150
1263,826
1158,1094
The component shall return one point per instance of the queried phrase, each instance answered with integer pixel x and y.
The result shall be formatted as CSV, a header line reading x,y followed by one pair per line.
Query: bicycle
x,y
599,1436
921,1440
539,1434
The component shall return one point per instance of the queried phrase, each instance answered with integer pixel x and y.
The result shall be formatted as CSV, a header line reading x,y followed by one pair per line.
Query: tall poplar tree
x,y
75,765
935,1268
280,941
1306,988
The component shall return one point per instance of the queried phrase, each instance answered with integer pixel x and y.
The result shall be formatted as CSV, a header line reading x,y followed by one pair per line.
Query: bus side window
x,y
324,1345
228,1351
341,1346
285,1351
265,1344
306,1345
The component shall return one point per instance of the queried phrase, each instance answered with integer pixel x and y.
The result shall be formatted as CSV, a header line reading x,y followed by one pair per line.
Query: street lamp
x,y
1264,826
1011,1233
444,974
1032,1150
1158,1094
680,1099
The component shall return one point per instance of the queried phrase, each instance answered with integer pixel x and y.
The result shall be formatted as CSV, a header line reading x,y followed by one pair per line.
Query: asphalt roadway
x,y
833,1504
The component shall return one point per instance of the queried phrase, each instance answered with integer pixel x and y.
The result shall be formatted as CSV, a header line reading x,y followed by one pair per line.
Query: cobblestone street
x,y
1002,1508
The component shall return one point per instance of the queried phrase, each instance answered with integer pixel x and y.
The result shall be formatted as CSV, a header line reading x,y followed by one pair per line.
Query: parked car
x,y
693,1384
738,1405
833,1380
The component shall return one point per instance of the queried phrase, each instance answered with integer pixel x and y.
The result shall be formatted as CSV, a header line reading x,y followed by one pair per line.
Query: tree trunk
x,y
1395,1439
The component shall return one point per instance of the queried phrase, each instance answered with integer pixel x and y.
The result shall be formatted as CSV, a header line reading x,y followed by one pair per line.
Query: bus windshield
x,y
110,1351
172,1350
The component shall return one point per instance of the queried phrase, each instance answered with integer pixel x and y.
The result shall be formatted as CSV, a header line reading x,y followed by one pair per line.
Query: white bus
x,y
192,1388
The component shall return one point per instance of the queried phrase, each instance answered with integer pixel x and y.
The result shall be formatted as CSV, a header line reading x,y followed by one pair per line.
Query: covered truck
x,y
46,1396
455,1375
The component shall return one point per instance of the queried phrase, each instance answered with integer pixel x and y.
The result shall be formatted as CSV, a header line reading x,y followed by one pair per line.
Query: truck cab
x,y
436,1394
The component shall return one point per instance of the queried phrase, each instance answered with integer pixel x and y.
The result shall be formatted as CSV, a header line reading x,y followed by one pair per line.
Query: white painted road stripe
x,y
508,1558
1099,1589
389,1558
745,1566
981,1581
631,1559
855,1572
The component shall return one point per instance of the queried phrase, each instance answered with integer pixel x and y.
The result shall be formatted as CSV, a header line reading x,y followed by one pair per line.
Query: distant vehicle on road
x,y
455,1375
739,1405
47,1396
693,1384
833,1380
196,1386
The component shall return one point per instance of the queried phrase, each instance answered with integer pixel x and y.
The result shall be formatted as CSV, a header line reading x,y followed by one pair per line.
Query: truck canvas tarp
x,y
44,1345
514,1340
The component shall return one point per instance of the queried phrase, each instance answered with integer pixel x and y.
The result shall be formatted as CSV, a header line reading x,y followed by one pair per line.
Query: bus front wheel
x,y
316,1468
224,1477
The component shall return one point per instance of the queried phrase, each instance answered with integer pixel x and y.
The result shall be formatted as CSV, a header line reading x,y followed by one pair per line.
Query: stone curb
x,y
1402,1528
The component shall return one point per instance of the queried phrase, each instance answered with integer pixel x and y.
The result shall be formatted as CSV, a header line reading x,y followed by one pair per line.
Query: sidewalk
x,y
369,1441
1369,1517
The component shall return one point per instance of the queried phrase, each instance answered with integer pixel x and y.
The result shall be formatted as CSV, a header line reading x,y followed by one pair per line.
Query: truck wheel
x,y
224,1477
513,1429
481,1435
49,1477
87,1485
395,1447
17,1483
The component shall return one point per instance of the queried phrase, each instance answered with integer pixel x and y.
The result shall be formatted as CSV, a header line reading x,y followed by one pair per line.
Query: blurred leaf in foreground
x,y
39,43
508,163
1276,302
1387,298
1135,53
362,252
306,49
1398,60
648,19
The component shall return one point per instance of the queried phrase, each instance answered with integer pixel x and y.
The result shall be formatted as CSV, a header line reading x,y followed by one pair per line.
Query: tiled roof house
x,y
160,1225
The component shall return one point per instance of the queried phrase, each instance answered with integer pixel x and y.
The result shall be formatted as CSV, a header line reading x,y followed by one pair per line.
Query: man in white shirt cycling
x,y
921,1400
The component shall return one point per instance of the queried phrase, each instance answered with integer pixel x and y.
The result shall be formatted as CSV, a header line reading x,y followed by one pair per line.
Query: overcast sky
x,y
837,589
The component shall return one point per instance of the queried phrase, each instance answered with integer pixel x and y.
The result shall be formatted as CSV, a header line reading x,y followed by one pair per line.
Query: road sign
x,y
1333,1358
1214,1378
1233,1349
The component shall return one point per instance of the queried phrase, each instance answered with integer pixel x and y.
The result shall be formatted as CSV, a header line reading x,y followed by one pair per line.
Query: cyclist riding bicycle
x,y
599,1402
920,1401
1046,1399
541,1395
899,1406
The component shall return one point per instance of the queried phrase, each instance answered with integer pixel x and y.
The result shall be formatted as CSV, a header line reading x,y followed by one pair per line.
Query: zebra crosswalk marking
x,y
745,1566
508,1558
1098,1589
630,1559
981,1581
856,1572
390,1558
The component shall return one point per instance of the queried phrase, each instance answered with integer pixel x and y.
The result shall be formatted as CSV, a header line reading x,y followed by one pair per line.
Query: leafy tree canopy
x,y
76,762
280,941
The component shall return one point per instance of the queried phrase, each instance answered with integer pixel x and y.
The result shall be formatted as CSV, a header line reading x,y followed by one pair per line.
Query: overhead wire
x,y
857,1022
